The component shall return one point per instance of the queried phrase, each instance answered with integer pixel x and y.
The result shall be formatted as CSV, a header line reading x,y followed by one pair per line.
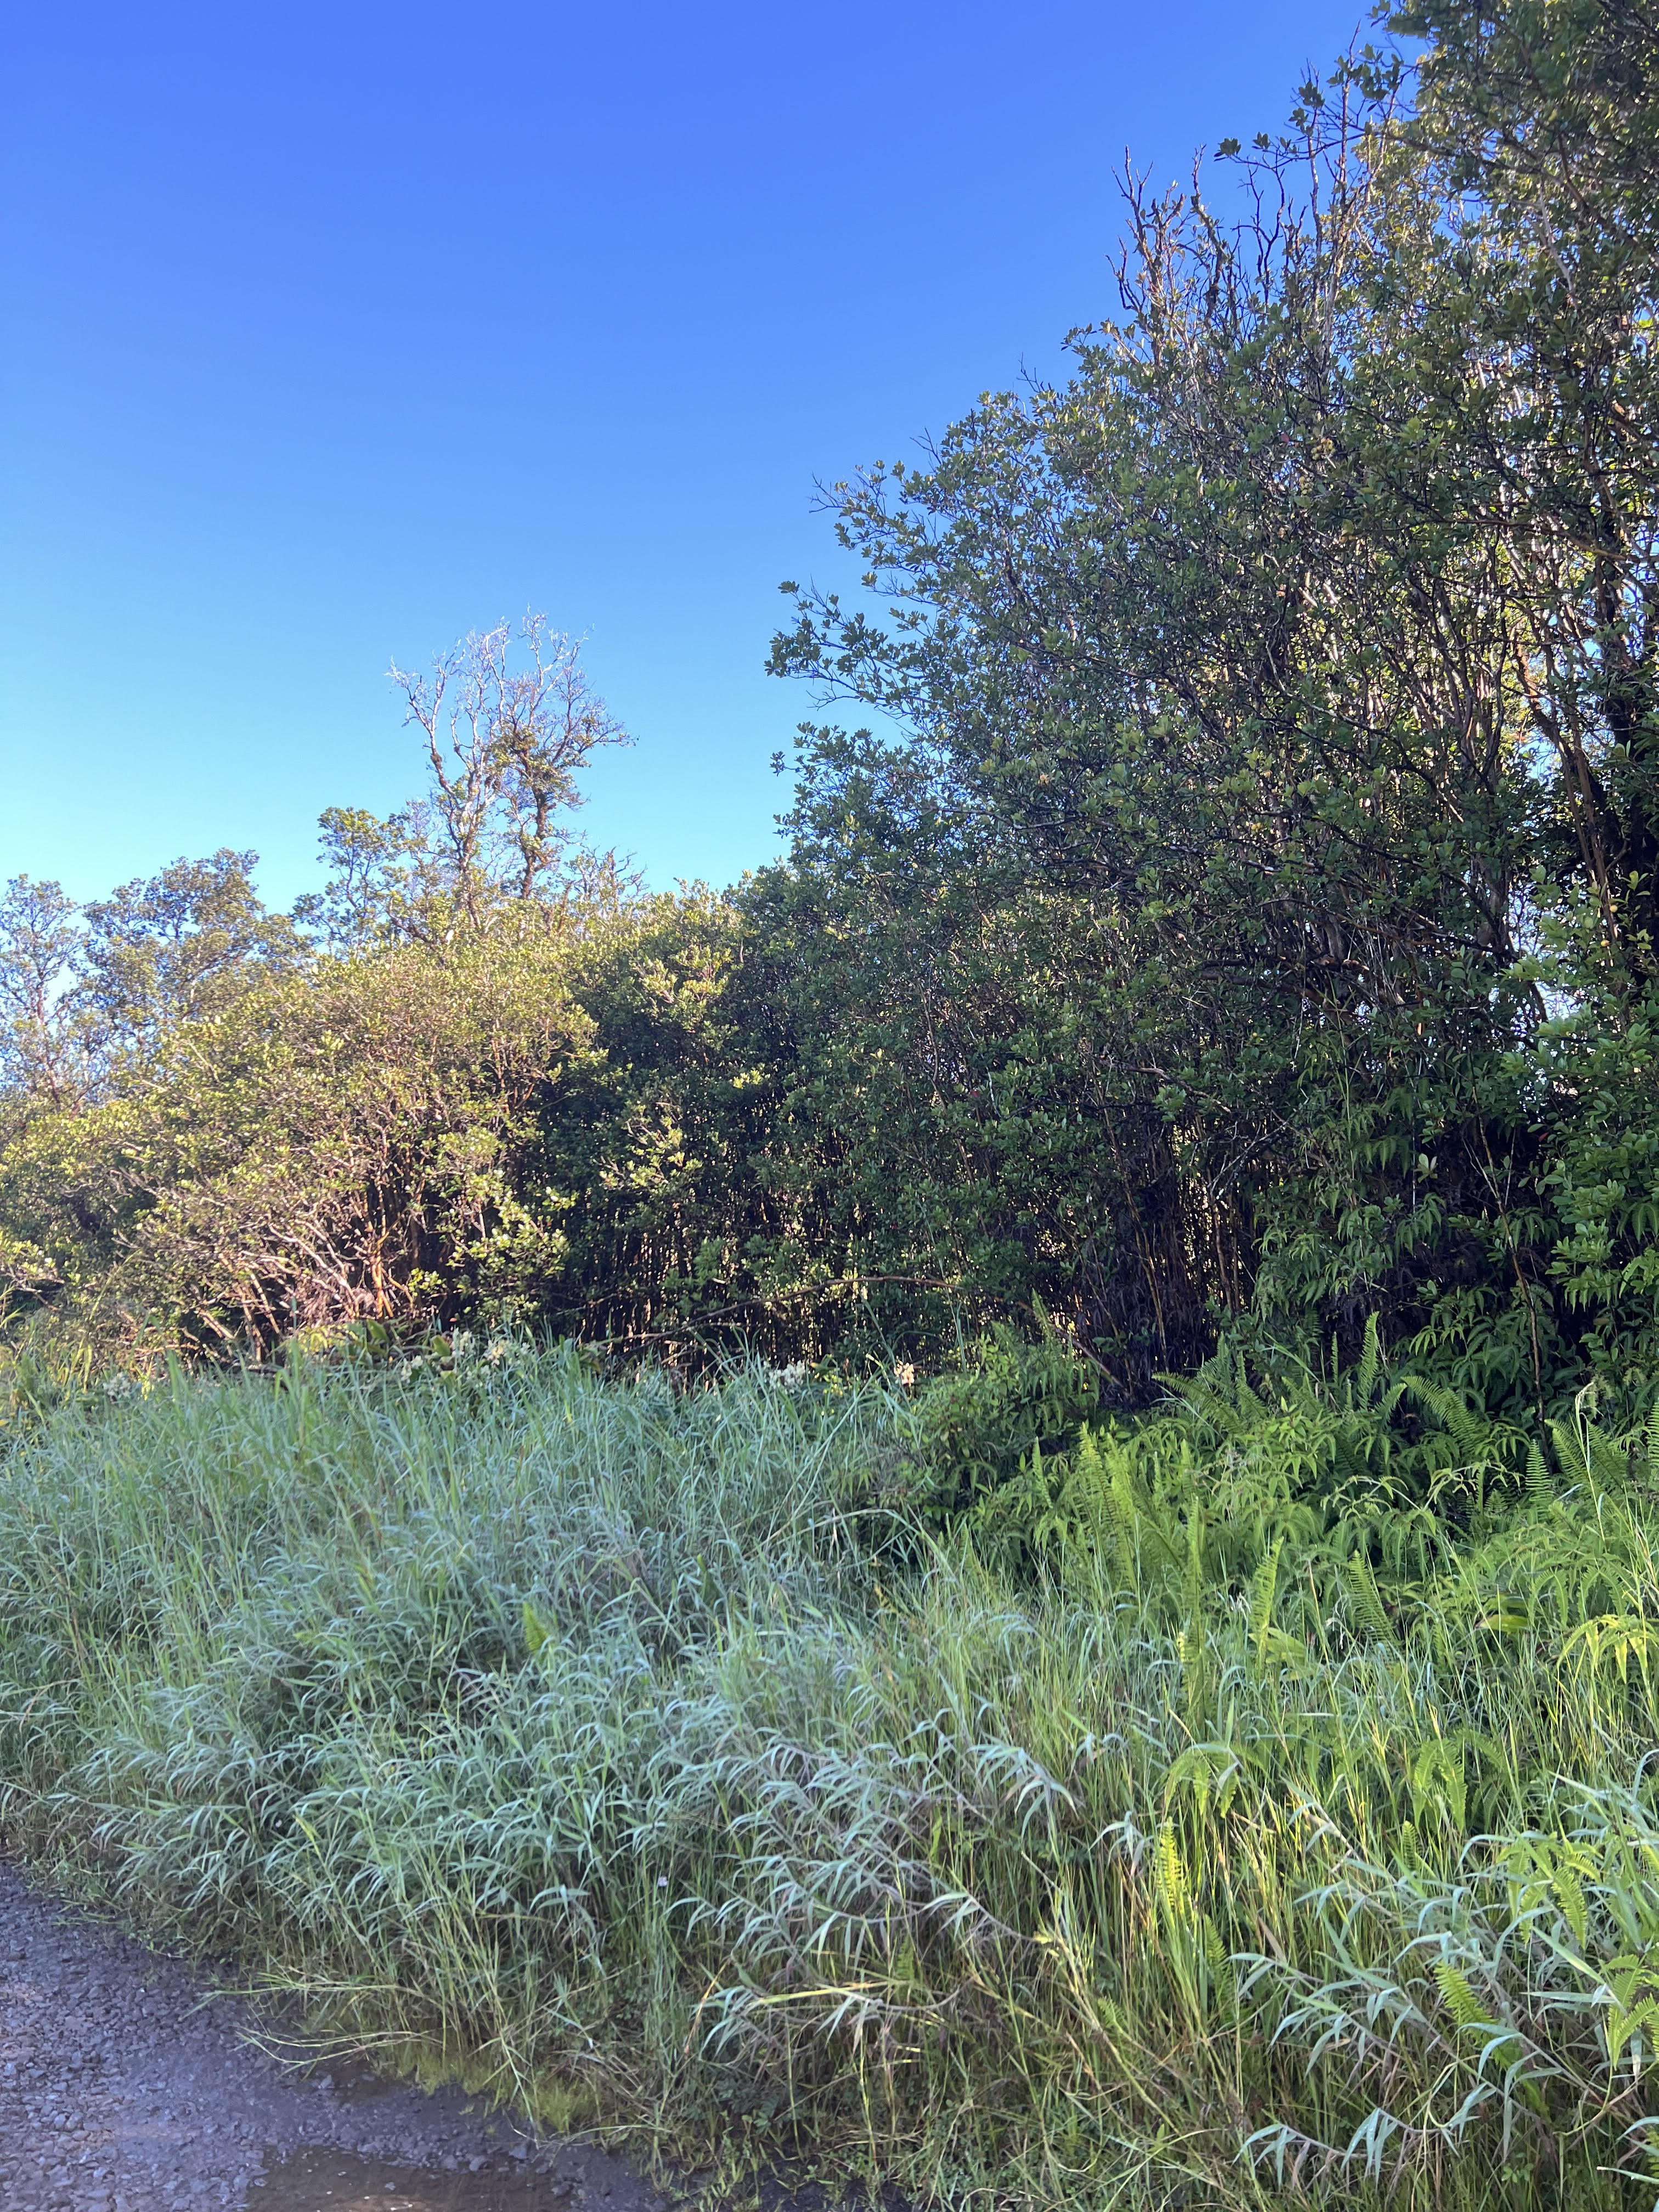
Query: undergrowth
x,y
1258,1797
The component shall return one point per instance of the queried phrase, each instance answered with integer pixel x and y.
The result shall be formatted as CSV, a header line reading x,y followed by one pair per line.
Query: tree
x,y
87,991
372,896
324,1147
507,721
44,1044
178,947
1178,634
1536,388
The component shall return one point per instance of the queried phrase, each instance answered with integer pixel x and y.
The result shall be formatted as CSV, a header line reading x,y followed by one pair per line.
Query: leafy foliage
x,y
993,1421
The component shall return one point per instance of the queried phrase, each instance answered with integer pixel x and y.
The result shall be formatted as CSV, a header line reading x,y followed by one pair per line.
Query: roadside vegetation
x,y
989,1501
1258,1792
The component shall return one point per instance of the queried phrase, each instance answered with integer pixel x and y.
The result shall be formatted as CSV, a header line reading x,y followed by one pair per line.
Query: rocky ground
x,y
127,2086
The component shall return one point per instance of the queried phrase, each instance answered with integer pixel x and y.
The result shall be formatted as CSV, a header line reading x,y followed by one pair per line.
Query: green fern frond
x,y
1365,1599
1457,1995
1539,1491
1263,1585
1174,1890
1370,1365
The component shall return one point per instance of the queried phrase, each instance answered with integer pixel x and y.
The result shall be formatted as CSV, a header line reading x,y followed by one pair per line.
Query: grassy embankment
x,y
621,1749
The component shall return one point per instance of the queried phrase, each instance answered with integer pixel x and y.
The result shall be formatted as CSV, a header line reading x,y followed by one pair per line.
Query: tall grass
x,y
621,1750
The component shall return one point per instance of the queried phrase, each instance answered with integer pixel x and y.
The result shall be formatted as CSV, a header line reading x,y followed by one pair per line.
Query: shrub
x,y
981,1425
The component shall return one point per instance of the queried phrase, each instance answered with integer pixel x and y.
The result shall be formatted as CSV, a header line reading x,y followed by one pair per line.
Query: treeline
x,y
1243,919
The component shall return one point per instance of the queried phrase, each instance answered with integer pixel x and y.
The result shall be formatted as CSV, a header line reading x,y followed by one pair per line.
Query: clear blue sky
x,y
333,331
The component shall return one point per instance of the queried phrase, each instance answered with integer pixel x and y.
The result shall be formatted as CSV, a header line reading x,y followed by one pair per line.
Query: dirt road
x,y
127,2086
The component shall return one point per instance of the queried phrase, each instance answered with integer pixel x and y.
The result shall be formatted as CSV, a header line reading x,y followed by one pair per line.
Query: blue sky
x,y
333,331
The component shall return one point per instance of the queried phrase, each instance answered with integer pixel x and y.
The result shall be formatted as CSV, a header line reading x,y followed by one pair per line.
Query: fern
x,y
1457,1995
1263,1586
1170,1876
1370,1365
1365,1599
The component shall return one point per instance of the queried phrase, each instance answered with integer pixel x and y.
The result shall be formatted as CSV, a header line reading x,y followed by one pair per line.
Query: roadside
x,y
127,2085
